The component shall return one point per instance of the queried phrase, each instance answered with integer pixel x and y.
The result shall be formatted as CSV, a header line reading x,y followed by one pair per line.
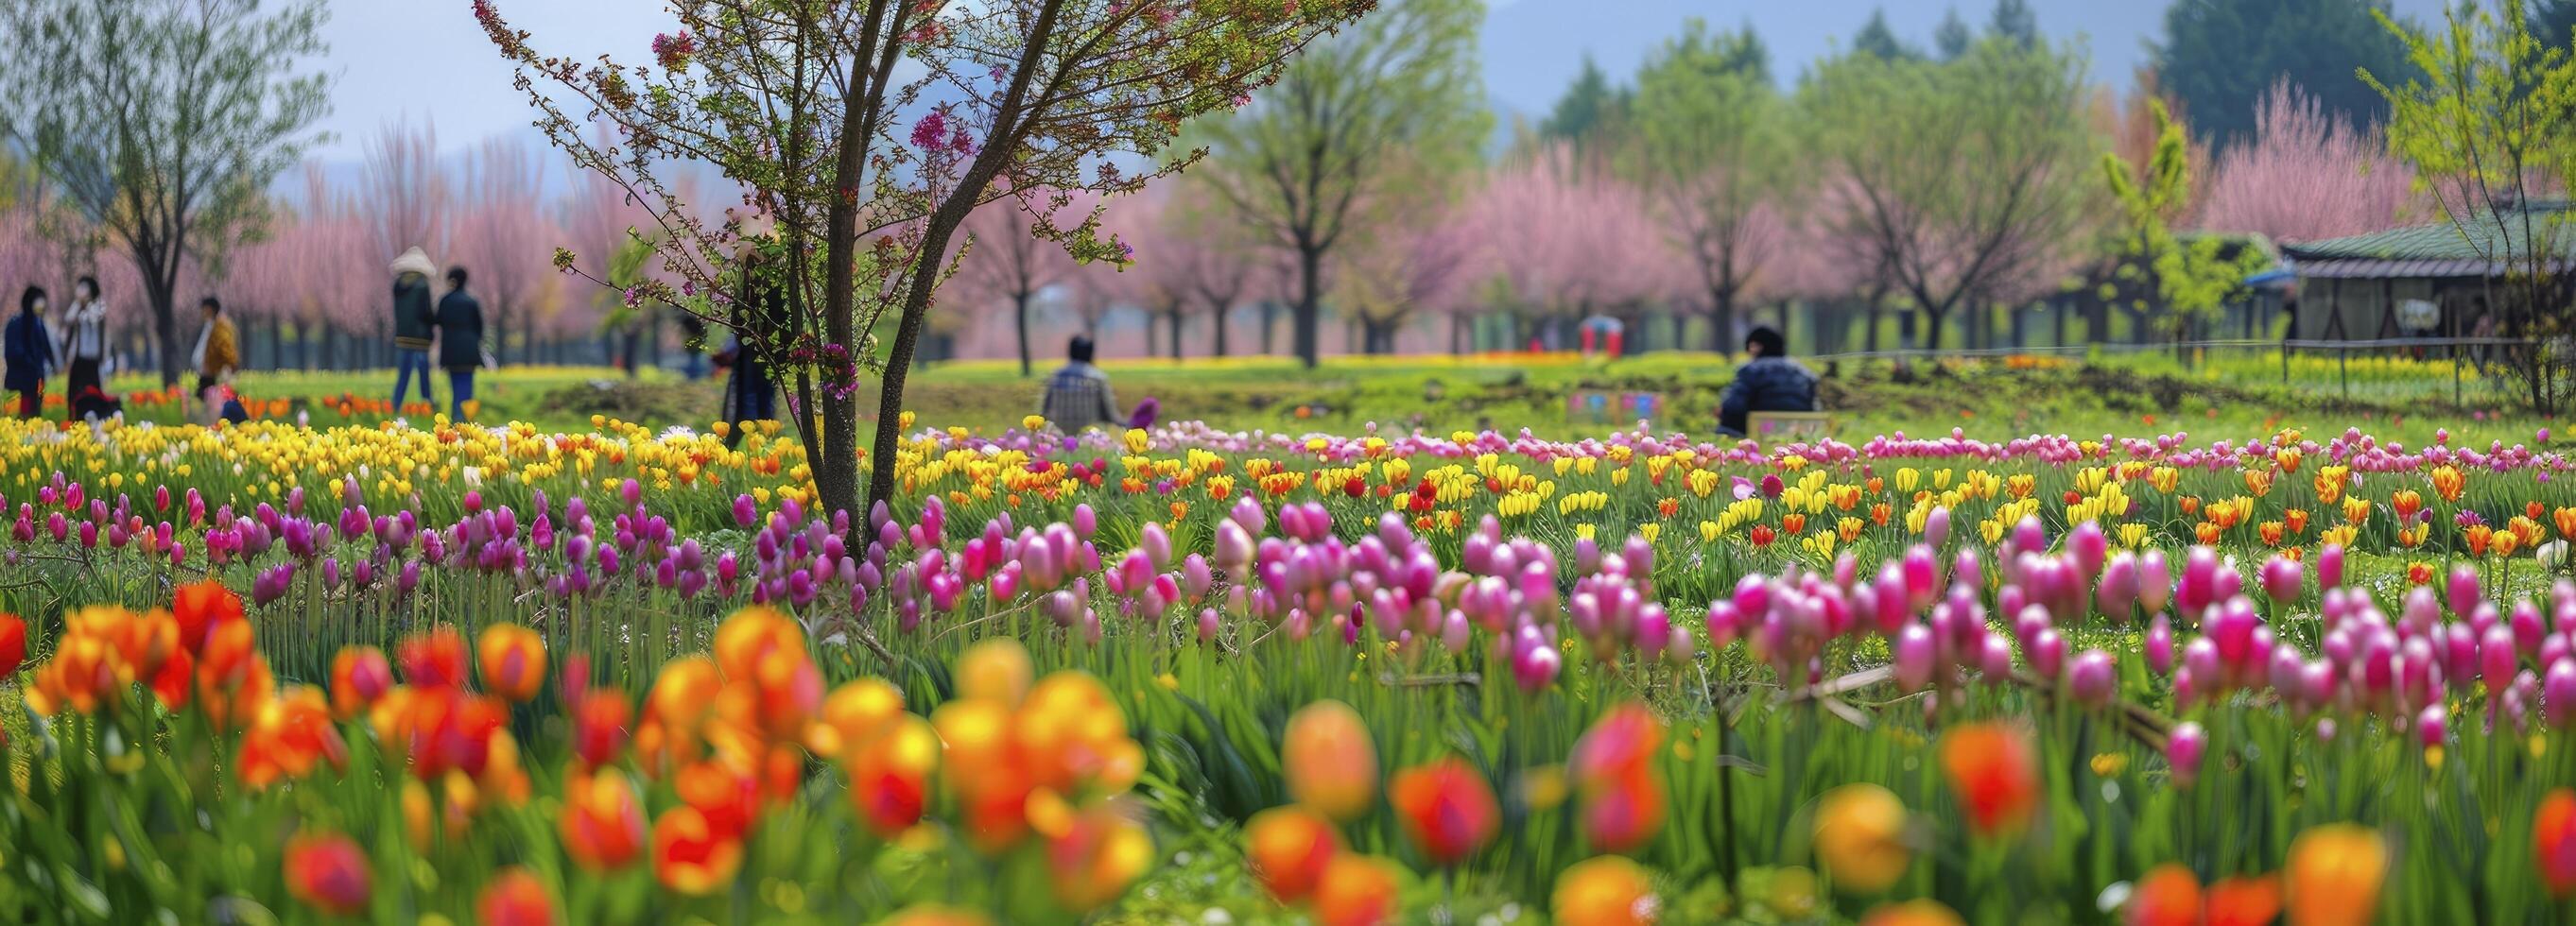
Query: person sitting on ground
x,y
1770,382
1077,396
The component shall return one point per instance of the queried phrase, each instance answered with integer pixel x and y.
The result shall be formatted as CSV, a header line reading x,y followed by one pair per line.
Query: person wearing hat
x,y
415,323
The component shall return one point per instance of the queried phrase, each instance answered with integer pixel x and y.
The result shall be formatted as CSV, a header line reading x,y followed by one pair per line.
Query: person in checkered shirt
x,y
1078,395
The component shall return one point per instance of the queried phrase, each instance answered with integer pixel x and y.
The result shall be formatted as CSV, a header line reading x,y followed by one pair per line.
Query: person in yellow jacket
x,y
216,356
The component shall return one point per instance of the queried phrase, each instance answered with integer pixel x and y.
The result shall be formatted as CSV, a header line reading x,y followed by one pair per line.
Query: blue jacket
x,y
1767,384
29,352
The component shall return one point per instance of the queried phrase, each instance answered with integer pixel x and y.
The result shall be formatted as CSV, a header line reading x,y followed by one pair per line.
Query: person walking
x,y
29,352
460,341
751,388
1078,395
1770,382
216,358
84,343
415,323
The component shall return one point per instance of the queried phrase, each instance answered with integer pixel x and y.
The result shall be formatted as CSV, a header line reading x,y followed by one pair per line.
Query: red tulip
x,y
1447,808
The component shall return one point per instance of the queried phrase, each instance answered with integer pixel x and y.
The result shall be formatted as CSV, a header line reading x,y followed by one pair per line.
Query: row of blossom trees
x,y
309,288
1555,233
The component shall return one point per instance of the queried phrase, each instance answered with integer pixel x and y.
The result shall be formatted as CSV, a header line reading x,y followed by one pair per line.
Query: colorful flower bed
x,y
501,675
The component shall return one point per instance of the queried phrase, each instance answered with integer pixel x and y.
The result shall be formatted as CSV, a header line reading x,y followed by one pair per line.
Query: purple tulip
x,y
2093,678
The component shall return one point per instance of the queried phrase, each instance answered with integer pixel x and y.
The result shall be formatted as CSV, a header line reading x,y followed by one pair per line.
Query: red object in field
x,y
1587,339
1533,348
1615,338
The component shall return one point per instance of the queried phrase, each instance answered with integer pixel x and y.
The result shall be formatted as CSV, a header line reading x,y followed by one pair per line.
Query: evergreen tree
x,y
2014,20
1878,41
1952,38
2220,56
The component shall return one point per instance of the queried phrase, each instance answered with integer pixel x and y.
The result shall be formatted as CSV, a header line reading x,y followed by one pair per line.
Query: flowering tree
x,y
2305,175
1962,175
503,238
1357,132
1581,242
410,200
2490,127
162,122
795,101
1427,264
1009,264
1713,150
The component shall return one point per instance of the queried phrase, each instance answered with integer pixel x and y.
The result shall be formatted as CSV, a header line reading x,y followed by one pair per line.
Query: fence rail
x,y
2342,350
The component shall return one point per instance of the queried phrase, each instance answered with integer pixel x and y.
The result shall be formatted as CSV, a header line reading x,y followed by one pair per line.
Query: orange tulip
x,y
2553,841
1289,848
2406,502
1613,768
515,898
2244,901
2168,895
513,662
1447,809
600,724
1607,890
602,824
1860,837
328,873
1330,761
1357,890
859,712
2449,482
768,672
1991,769
201,605
997,668
936,915
690,856
1912,913
1096,858
890,775
2334,875
433,659
291,733
360,676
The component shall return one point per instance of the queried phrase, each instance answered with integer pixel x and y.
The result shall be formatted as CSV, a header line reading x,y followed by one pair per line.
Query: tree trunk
x,y
1216,329
1310,270
1020,318
1721,321
165,324
1269,326
1877,315
1932,319
1172,316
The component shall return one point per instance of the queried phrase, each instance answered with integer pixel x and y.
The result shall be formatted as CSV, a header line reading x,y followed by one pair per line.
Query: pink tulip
x,y
2185,747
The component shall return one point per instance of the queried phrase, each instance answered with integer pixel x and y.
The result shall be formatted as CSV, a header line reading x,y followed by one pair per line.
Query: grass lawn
x,y
2132,394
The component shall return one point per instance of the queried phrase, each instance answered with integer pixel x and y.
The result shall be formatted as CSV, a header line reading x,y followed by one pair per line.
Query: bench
x,y
1772,426
1623,408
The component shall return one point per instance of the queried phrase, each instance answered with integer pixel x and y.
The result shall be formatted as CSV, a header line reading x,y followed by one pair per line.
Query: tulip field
x,y
419,671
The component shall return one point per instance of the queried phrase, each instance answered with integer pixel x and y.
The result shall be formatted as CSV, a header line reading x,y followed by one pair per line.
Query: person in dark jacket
x,y
415,322
751,386
29,353
460,341
1770,382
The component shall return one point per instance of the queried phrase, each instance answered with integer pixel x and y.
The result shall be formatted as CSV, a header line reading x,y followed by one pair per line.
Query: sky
x,y
428,60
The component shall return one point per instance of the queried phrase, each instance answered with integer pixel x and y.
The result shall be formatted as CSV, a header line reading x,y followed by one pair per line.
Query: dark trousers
x,y
29,401
460,390
84,375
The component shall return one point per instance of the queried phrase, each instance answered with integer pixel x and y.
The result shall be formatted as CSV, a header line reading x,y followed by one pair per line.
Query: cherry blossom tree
x,y
2306,175
1580,241
1427,264
504,239
410,199
1009,265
